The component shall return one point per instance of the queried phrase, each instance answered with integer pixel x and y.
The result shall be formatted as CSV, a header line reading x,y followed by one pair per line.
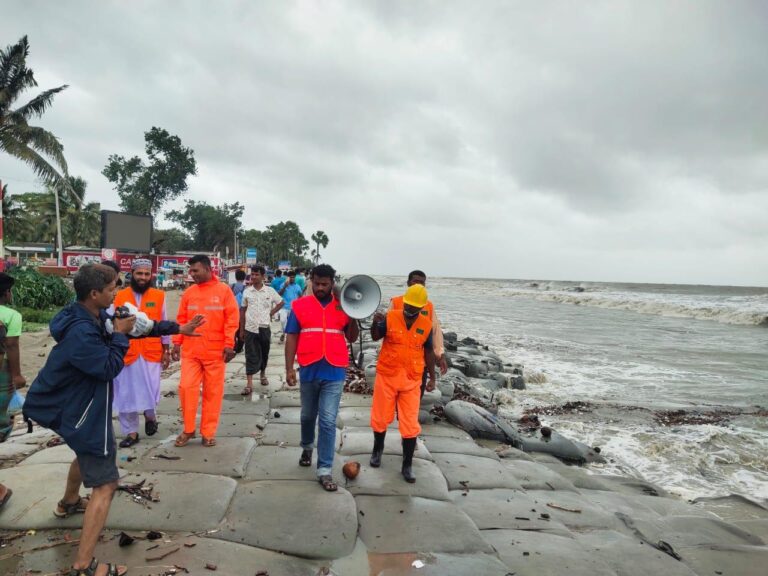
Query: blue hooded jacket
x,y
72,394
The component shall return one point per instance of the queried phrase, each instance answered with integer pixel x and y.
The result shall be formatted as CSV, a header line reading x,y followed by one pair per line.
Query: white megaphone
x,y
360,296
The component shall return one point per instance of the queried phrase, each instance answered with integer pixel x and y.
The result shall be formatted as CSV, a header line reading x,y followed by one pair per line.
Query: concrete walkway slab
x,y
535,476
356,441
388,480
630,556
355,400
282,463
245,405
230,559
474,472
443,429
187,502
504,509
12,451
287,415
38,436
297,518
61,454
227,458
442,444
36,490
740,560
542,554
285,399
278,434
613,503
573,510
240,425
398,524
689,531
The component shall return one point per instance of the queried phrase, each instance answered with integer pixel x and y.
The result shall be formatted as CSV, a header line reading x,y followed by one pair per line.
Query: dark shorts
x,y
98,470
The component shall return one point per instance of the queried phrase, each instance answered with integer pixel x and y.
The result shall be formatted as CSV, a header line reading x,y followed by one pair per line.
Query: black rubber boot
x,y
378,448
409,445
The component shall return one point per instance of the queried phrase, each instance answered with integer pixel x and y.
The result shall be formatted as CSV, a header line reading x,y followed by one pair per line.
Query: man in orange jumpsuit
x,y
203,359
407,347
419,277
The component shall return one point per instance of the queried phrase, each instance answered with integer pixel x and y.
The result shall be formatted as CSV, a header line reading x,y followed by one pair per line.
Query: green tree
x,y
35,146
320,238
171,240
145,187
210,227
31,217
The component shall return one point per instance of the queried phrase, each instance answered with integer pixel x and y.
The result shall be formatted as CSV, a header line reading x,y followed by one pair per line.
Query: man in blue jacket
x,y
72,395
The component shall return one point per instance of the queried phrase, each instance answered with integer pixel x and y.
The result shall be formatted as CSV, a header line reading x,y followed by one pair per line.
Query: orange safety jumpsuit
x,y
202,358
398,374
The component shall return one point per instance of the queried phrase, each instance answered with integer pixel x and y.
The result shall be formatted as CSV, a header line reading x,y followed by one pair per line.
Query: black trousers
x,y
257,350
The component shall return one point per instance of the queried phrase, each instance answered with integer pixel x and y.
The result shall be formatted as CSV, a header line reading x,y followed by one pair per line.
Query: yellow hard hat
x,y
416,295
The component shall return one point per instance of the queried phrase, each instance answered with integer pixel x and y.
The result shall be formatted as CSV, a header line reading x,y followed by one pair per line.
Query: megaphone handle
x,y
360,353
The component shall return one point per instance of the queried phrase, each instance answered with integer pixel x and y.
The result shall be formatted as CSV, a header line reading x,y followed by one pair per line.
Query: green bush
x,y
39,291
38,316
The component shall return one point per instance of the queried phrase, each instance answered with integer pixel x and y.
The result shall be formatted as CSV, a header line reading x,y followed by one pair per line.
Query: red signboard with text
x,y
74,259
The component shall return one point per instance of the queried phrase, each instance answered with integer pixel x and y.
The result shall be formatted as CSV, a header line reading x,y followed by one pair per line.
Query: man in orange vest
x,y
203,359
407,348
418,277
137,387
316,330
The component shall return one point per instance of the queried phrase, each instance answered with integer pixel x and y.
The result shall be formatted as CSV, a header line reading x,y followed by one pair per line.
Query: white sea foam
x,y
741,310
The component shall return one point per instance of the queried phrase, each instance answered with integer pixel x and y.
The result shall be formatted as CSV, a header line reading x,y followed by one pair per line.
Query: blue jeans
x,y
320,398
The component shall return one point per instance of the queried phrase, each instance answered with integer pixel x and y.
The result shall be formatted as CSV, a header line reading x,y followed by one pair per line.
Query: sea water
x,y
633,351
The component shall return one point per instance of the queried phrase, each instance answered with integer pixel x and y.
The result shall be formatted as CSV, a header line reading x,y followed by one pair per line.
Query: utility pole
x,y
2,247
60,247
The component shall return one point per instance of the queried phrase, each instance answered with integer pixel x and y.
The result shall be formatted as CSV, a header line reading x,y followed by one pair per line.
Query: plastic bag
x,y
17,403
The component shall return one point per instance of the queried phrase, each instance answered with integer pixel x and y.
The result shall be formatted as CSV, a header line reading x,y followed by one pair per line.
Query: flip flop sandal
x,y
150,427
129,441
265,381
306,458
70,509
183,439
327,483
247,391
209,442
112,570
8,494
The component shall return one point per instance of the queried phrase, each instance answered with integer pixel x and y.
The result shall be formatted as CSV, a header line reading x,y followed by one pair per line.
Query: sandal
x,y
112,570
150,427
306,458
208,442
327,482
183,439
129,441
247,391
264,381
64,510
8,494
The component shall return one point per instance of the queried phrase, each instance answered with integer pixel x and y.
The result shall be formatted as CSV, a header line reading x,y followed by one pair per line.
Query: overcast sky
x,y
604,140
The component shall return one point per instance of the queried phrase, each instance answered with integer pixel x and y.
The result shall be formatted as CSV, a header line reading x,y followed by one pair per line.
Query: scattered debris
x,y
567,408
261,573
211,566
351,469
165,457
356,383
190,544
667,549
57,441
276,414
558,507
154,535
170,394
162,552
682,417
125,540
141,494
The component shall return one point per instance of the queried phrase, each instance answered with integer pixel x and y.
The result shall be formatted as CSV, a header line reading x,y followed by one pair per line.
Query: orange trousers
x,y
399,390
210,373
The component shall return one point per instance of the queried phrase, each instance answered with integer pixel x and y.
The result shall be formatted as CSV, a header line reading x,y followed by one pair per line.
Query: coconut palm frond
x,y
39,104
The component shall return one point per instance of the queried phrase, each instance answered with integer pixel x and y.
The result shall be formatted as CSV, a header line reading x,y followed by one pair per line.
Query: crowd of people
x,y
113,342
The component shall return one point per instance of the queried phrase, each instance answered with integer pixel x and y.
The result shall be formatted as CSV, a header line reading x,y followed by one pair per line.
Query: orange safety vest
x,y
322,332
428,310
151,349
403,349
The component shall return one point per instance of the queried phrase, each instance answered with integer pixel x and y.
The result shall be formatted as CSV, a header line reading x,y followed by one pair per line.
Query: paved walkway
x,y
245,507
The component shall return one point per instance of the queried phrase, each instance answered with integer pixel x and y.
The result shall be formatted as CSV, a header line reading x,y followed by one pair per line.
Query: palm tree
x,y
320,238
30,144
18,226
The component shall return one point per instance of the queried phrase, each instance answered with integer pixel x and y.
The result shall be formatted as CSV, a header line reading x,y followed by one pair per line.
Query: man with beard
x,y
137,387
317,328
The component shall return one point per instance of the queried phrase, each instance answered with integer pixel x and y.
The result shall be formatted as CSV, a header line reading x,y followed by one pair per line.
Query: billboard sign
x,y
251,256
126,232
284,265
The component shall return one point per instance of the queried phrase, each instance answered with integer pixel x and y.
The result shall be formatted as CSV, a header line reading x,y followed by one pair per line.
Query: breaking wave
x,y
743,311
